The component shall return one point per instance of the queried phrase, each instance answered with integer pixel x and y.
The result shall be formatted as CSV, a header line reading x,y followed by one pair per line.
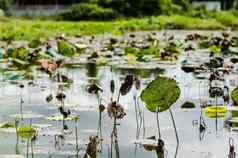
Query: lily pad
x,y
188,105
66,48
35,43
216,111
214,49
160,94
26,131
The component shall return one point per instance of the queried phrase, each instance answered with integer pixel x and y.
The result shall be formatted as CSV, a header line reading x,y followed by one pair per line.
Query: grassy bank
x,y
19,29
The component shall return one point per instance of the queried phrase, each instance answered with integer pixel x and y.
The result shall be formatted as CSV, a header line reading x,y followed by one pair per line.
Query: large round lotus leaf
x,y
234,96
160,94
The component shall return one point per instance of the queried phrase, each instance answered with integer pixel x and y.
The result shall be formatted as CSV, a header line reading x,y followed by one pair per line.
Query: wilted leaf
x,y
127,85
160,94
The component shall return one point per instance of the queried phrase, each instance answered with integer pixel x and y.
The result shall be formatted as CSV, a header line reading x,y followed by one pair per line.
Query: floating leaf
x,y
188,105
26,131
216,111
22,54
35,43
215,49
160,94
131,50
66,48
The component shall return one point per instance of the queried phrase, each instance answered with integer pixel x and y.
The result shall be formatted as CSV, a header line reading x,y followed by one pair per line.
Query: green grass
x,y
22,29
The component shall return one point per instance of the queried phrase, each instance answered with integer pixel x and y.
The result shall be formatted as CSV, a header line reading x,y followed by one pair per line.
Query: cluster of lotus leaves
x,y
160,94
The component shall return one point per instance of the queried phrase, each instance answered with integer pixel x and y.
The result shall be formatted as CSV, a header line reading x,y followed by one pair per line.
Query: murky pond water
x,y
213,144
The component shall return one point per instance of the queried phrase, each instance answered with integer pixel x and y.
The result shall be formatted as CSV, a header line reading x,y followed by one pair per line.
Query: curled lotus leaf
x,y
160,94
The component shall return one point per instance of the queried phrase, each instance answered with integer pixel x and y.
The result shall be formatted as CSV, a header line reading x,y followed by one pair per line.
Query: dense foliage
x,y
4,4
86,11
109,9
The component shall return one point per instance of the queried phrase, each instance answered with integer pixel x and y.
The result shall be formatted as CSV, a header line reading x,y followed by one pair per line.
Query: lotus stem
x,y
158,126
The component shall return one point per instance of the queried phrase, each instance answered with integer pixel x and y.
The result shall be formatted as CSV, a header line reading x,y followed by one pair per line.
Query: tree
x,y
4,4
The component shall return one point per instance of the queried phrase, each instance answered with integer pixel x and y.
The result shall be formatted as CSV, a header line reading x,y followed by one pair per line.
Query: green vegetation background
x,y
117,17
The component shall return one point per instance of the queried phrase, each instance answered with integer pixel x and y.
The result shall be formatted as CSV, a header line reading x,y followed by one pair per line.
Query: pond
x,y
28,103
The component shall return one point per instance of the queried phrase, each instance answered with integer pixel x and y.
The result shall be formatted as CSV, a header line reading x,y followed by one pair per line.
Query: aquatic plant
x,y
234,96
188,105
159,96
65,48
26,131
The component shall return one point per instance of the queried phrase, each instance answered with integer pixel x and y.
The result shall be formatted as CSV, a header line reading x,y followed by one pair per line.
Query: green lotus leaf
x,y
160,94
66,48
26,131
35,43
234,96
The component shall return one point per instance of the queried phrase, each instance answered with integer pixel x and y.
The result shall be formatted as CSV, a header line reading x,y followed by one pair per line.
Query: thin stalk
x,y
32,151
27,147
137,123
175,130
117,148
143,118
158,126
99,132
216,115
76,139
17,141
21,108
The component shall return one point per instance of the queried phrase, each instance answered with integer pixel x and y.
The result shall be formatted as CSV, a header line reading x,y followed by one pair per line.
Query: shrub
x,y
227,18
4,4
84,11
185,4
200,12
